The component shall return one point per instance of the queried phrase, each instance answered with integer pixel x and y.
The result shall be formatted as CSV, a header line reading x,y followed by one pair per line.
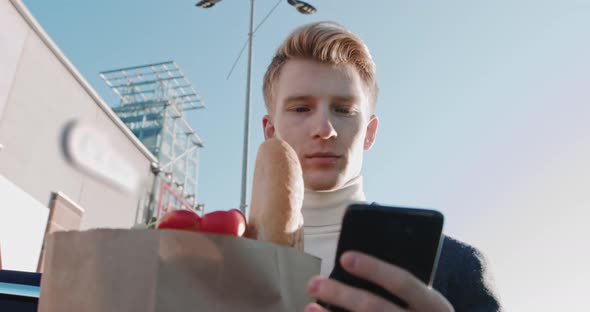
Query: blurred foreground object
x,y
92,151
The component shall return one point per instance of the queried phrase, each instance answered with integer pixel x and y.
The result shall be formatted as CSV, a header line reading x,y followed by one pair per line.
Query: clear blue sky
x,y
484,110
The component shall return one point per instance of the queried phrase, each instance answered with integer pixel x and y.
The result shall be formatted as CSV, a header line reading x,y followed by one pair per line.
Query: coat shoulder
x,y
464,278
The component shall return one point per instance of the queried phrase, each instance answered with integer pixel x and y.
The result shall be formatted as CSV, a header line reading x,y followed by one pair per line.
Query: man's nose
x,y
324,128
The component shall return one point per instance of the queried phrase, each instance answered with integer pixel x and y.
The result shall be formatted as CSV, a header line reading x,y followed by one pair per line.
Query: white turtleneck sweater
x,y
322,215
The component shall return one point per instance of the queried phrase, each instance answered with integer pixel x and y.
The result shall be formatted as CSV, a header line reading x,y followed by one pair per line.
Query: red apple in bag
x,y
180,220
231,222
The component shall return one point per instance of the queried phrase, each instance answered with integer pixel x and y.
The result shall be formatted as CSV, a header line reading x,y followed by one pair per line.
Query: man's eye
x,y
344,110
301,109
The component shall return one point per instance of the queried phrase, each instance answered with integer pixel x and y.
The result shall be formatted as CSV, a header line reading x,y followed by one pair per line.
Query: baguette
x,y
277,195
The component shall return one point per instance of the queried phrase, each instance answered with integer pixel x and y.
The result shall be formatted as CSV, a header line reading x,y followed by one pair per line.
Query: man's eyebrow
x,y
346,99
306,98
298,98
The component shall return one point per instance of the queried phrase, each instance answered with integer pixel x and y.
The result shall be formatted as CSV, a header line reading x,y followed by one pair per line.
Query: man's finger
x,y
347,297
314,307
393,278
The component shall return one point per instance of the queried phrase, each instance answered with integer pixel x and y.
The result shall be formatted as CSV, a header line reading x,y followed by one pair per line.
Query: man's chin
x,y
322,184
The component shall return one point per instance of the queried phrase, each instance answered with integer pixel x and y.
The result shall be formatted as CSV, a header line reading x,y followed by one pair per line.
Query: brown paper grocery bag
x,y
170,270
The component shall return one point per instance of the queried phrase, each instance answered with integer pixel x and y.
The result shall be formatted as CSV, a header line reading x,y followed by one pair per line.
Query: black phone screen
x,y
407,237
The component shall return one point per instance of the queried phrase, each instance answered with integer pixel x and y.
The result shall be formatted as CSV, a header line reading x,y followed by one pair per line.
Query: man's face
x,y
323,112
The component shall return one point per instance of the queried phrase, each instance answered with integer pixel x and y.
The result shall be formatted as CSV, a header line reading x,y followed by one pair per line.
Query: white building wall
x,y
40,92
13,32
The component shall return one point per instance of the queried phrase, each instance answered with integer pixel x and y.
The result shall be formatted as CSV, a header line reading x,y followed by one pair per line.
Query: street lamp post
x,y
246,145
303,8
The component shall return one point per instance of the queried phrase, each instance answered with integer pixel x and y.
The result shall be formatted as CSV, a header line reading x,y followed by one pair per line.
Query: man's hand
x,y
398,281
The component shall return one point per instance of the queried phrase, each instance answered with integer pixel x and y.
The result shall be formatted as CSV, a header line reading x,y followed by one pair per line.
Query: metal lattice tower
x,y
153,99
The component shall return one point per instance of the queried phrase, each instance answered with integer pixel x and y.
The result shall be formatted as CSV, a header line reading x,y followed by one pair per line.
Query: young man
x,y
320,92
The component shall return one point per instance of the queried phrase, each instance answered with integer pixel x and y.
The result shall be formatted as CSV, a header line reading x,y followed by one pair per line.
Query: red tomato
x,y
180,220
231,222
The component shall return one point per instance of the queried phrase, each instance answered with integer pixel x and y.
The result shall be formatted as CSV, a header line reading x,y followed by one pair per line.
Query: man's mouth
x,y
322,159
322,155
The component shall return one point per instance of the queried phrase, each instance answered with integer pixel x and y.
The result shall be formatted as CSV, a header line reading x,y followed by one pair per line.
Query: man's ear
x,y
371,132
267,127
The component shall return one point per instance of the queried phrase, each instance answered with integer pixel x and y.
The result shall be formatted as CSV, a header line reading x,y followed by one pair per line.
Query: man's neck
x,y
322,208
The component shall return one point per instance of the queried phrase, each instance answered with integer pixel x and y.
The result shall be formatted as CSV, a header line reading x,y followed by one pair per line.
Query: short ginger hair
x,y
325,42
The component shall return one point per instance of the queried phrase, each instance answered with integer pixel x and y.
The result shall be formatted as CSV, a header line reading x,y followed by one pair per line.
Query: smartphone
x,y
406,237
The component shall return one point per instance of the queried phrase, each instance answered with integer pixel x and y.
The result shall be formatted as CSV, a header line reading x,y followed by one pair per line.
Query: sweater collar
x,y
321,208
